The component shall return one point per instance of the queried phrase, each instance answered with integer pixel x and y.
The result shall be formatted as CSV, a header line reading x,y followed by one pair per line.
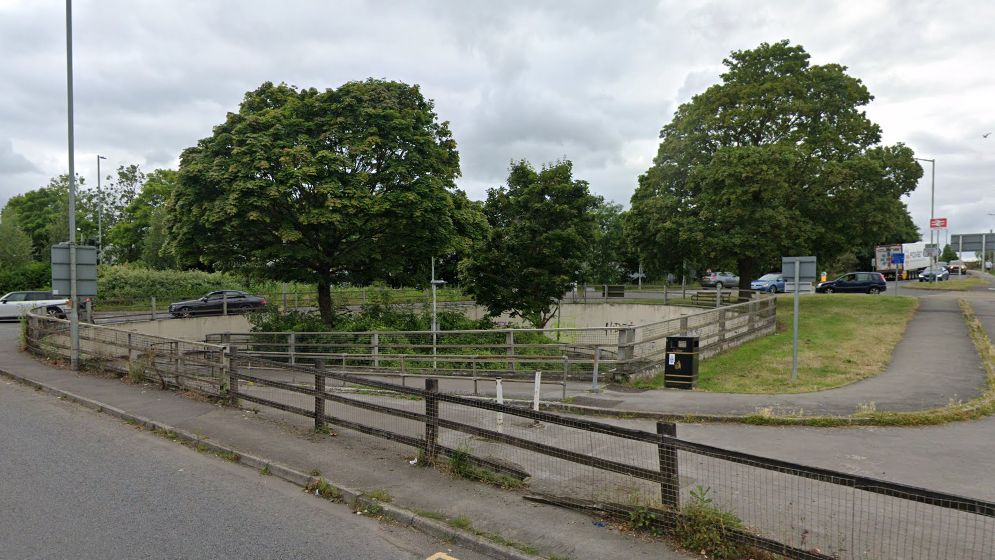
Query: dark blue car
x,y
854,283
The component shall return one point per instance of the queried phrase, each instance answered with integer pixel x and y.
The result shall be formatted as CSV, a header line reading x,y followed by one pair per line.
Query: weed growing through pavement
x,y
460,466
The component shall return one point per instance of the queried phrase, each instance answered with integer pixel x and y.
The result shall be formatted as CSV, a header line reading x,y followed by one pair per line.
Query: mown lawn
x,y
841,339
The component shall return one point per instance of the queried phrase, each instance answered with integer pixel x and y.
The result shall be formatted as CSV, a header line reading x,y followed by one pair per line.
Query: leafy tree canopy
x,y
15,245
43,214
138,233
541,228
346,184
777,159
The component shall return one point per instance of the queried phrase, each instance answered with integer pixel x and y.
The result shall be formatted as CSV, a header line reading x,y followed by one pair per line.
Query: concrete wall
x,y
194,328
582,315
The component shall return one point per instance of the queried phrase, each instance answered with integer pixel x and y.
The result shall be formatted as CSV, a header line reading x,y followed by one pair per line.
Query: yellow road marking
x,y
441,556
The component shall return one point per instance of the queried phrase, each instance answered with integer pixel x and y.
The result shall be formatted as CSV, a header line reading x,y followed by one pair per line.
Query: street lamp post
x,y
100,214
932,206
435,320
74,306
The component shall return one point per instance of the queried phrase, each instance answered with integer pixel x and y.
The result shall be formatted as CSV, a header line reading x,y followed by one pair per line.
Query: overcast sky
x,y
591,81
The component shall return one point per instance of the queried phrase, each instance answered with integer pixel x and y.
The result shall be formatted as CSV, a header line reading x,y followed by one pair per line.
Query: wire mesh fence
x,y
651,479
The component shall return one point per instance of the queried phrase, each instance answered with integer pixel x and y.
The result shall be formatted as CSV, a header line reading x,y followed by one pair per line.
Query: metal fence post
x,y
431,414
509,340
670,483
153,308
224,303
566,368
319,394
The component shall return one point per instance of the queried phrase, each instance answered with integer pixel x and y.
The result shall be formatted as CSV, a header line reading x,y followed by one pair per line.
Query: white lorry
x,y
914,256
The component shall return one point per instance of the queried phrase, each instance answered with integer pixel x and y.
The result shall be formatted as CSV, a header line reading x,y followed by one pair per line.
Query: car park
x,y
931,273
216,303
15,304
854,283
772,283
719,280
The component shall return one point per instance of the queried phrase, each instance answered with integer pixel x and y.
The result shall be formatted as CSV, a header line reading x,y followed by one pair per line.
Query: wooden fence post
x,y
319,394
722,325
684,325
375,348
670,483
432,414
232,376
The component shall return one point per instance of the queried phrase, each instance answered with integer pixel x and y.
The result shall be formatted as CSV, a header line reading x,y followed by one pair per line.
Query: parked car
x,y
15,304
214,304
719,280
772,283
854,282
939,273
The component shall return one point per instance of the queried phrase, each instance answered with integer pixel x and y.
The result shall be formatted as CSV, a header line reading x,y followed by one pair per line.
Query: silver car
x,y
719,280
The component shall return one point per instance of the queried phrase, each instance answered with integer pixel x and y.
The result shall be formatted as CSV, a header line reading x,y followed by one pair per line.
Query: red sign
x,y
937,223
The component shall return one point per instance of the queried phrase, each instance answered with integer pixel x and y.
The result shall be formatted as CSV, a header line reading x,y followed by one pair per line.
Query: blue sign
x,y
898,258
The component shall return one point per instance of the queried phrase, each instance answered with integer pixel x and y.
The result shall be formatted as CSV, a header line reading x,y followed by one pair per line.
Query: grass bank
x,y
841,339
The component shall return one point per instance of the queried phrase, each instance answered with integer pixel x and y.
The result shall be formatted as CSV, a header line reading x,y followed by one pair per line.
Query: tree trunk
x,y
747,269
325,301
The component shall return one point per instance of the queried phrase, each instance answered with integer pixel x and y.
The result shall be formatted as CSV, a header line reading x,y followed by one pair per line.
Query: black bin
x,y
680,370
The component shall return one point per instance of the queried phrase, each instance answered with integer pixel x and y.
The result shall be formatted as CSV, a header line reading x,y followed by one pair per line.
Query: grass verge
x,y
841,339
970,410
953,285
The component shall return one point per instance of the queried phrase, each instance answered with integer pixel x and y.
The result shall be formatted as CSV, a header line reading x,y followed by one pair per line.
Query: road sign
x,y
86,271
898,258
938,223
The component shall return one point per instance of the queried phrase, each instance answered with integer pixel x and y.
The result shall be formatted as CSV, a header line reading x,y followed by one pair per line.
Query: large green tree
x,y
346,184
15,245
43,214
609,259
138,233
777,159
541,230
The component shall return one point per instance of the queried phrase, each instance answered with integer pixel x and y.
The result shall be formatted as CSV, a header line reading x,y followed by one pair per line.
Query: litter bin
x,y
680,371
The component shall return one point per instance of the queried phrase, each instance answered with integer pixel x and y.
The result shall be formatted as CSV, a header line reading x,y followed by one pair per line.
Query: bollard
x,y
536,390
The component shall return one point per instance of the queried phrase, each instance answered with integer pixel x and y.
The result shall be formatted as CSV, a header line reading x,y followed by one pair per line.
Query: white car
x,y
15,304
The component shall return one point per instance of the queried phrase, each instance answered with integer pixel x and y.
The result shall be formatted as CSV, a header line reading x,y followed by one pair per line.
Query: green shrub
x,y
702,528
32,276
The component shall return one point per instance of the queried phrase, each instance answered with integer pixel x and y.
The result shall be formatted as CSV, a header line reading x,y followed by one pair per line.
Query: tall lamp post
x,y
74,306
435,320
932,206
100,214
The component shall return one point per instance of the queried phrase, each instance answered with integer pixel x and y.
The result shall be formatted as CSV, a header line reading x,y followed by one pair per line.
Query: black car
x,y
854,282
214,303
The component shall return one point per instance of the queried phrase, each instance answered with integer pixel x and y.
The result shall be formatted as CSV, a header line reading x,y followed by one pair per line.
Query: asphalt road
x,y
75,484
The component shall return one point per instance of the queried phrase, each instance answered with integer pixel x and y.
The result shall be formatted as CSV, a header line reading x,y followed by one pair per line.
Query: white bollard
x,y
535,391
500,400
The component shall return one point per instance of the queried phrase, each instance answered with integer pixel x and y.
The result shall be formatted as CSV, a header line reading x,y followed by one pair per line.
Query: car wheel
x,y
772,289
874,290
718,285
828,290
185,312
56,312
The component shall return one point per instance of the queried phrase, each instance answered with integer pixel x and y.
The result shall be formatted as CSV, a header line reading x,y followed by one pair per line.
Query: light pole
x,y
435,320
100,214
73,305
932,200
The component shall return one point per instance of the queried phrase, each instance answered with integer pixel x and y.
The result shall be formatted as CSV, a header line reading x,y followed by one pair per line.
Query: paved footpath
x,y
934,364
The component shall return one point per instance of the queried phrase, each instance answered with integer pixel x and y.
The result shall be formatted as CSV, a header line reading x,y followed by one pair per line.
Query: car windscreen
x,y
769,277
